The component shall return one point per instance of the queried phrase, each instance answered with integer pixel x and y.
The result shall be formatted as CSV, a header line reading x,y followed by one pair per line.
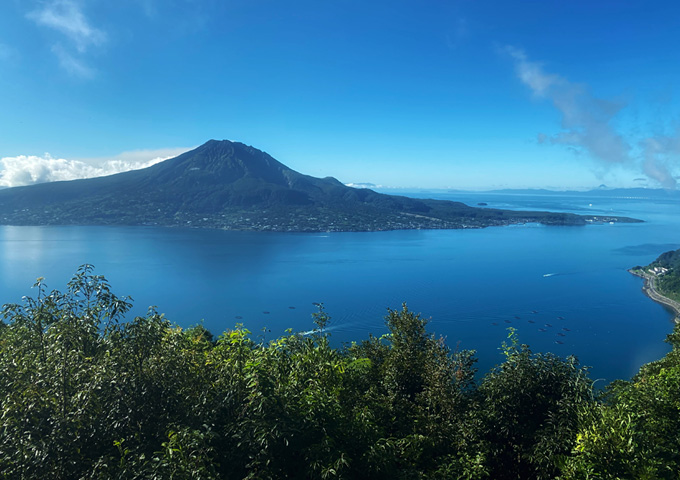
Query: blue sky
x,y
435,94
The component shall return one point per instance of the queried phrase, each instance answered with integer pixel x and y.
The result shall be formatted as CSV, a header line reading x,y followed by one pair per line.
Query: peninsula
x,y
229,185
662,280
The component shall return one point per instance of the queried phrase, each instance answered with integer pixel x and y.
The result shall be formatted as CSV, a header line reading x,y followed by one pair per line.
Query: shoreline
x,y
649,288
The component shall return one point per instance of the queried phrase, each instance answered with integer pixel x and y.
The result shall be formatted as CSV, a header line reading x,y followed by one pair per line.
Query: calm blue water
x,y
472,283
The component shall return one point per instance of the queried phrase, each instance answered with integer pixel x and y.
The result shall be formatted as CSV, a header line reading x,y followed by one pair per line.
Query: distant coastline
x,y
649,288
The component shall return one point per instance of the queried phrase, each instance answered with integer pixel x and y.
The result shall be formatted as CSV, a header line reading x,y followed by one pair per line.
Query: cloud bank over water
x,y
31,169
589,125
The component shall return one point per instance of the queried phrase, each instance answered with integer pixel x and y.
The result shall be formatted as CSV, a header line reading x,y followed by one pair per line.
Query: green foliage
x,y
637,433
85,395
49,379
530,408
669,284
417,392
607,448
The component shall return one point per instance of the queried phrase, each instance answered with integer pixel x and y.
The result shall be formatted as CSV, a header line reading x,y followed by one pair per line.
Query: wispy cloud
x,y
31,169
661,154
532,74
588,124
67,18
73,65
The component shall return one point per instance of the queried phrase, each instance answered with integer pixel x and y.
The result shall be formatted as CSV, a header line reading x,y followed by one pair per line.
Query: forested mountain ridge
x,y
229,185
670,260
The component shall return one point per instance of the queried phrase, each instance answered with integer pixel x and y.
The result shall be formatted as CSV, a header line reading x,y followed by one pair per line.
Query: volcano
x,y
230,185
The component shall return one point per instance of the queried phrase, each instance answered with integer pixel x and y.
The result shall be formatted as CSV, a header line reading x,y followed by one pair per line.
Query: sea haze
x,y
553,284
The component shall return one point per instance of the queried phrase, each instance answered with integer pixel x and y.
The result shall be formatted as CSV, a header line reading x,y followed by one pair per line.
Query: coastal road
x,y
650,289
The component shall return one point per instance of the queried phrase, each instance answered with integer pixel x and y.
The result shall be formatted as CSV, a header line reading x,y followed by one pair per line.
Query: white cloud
x,y
586,120
588,125
31,169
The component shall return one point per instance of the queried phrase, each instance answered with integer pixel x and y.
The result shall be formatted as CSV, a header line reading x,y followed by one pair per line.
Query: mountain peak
x,y
225,162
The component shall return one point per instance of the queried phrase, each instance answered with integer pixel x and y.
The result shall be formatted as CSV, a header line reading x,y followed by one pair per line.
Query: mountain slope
x,y
224,184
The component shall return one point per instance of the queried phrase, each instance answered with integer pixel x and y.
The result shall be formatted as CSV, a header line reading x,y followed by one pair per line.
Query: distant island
x,y
229,185
662,280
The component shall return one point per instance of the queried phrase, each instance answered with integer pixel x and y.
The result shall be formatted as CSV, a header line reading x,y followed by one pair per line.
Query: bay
x,y
565,289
